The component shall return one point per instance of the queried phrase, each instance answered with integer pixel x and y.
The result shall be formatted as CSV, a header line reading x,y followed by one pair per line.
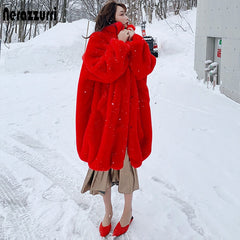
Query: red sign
x,y
219,52
143,33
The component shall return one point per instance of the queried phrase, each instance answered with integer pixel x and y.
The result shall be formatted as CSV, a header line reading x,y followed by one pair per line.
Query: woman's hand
x,y
131,33
124,35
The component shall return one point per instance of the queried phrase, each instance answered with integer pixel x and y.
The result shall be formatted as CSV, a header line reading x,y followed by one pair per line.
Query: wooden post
x,y
86,37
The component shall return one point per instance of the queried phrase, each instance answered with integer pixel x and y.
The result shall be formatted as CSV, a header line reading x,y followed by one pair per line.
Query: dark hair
x,y
106,16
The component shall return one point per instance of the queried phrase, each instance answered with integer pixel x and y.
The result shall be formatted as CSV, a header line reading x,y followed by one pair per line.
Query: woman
x,y
113,120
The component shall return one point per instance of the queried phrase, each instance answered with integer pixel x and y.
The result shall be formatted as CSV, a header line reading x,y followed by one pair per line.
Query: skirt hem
x,y
97,182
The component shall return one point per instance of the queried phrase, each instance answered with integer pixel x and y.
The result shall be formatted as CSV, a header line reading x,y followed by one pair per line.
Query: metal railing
x,y
211,73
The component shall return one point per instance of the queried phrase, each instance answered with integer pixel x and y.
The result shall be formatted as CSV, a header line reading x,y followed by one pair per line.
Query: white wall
x,y
220,18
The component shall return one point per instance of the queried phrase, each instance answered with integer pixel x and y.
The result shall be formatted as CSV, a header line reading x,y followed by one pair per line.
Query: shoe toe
x,y
104,231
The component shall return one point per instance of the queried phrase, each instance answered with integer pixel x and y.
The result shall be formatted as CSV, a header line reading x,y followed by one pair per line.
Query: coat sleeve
x,y
106,60
141,60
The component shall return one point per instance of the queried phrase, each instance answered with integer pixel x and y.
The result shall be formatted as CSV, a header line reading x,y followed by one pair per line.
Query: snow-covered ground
x,y
188,186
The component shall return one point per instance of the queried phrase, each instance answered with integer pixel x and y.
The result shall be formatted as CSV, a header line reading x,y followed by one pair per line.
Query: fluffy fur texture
x,y
112,109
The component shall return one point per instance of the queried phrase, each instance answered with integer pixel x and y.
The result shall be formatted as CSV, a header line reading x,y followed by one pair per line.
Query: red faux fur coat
x,y
112,109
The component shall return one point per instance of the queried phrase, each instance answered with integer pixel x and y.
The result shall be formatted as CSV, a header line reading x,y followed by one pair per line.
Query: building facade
x,y
218,39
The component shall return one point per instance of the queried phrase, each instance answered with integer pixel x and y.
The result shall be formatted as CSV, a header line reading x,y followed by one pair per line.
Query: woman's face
x,y
120,16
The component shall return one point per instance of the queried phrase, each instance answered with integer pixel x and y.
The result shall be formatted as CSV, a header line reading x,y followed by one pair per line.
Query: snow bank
x,y
60,48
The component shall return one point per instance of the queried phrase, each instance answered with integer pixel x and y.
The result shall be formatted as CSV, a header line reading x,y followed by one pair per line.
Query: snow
x,y
189,184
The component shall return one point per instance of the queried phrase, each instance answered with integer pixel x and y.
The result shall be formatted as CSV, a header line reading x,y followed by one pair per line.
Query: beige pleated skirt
x,y
98,181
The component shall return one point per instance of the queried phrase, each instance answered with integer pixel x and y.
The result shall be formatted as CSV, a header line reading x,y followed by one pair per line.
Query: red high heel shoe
x,y
119,230
104,231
